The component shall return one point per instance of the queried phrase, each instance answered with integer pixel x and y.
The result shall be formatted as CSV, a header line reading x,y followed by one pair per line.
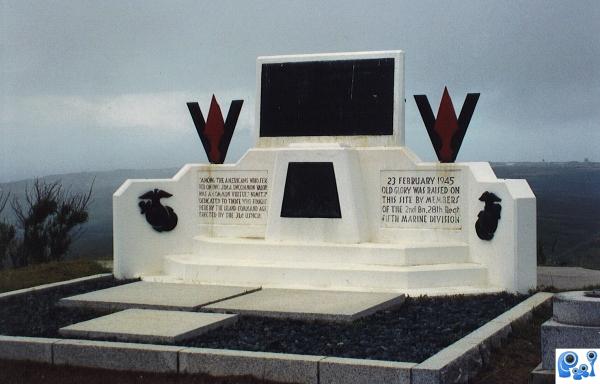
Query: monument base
x,y
542,376
403,224
363,266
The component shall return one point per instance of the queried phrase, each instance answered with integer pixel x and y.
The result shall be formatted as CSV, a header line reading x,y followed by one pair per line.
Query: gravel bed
x,y
411,332
37,314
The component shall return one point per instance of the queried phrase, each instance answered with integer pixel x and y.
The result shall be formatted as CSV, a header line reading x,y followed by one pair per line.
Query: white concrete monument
x,y
329,197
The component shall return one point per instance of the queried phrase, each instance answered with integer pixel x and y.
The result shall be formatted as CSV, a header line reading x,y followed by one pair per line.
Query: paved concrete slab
x,y
571,278
148,326
308,304
150,295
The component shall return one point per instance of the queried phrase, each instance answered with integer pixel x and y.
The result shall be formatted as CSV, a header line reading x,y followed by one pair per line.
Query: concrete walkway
x,y
308,304
148,326
147,295
571,278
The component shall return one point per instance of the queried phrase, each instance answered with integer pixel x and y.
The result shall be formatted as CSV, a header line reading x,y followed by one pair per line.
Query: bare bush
x,y
7,233
47,222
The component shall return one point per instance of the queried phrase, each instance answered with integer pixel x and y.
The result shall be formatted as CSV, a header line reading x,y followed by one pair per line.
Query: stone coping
x,y
45,287
456,363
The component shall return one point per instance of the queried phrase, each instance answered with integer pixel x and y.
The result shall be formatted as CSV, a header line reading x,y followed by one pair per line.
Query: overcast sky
x,y
99,85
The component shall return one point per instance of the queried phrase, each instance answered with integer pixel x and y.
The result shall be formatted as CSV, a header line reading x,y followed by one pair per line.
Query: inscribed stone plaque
x,y
421,199
232,196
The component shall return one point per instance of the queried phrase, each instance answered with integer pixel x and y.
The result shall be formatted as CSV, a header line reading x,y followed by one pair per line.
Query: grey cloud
x,y
534,62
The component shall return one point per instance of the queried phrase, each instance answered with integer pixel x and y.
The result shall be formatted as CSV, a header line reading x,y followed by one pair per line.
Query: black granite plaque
x,y
311,191
327,98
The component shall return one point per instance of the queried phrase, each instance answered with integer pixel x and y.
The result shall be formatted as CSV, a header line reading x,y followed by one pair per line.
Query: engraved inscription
x,y
421,199
233,197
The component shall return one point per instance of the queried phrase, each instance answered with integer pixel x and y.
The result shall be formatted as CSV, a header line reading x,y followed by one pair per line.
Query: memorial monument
x,y
329,196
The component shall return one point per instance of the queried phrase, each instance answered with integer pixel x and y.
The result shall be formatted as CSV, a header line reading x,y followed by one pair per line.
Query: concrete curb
x,y
27,348
118,356
280,367
338,370
456,363
45,287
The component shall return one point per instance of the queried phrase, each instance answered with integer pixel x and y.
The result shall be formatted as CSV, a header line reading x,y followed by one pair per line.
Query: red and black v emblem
x,y
215,133
446,132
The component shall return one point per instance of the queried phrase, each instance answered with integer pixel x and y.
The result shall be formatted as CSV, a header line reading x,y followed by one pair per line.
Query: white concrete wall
x,y
137,248
511,255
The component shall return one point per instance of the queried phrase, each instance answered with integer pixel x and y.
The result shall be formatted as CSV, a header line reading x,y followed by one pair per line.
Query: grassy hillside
x,y
568,201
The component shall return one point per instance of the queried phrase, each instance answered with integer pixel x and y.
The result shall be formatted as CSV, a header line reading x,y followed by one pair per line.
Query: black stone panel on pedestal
x,y
311,191
327,98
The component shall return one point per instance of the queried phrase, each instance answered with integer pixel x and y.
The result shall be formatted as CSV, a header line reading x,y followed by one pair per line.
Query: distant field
x,y
33,275
568,202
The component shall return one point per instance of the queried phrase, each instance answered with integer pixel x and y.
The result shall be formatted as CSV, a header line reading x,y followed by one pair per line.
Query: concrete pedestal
x,y
575,324
542,376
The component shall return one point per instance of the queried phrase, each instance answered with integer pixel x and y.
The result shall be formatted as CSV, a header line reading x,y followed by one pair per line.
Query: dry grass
x,y
519,355
16,372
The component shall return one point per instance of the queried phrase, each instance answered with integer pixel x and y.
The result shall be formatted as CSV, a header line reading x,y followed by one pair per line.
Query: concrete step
x,y
395,254
416,292
303,274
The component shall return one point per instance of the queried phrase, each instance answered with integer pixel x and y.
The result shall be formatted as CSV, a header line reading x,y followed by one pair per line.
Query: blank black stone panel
x,y
311,191
327,98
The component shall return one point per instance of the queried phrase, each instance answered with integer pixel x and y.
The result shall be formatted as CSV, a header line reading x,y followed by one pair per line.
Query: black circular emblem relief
x,y
161,218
